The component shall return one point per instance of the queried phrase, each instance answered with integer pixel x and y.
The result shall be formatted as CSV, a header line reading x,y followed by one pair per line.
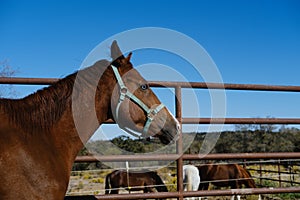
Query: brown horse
x,y
133,181
41,134
225,175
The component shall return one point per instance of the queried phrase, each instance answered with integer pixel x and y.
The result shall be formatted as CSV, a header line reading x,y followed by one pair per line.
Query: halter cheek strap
x,y
124,92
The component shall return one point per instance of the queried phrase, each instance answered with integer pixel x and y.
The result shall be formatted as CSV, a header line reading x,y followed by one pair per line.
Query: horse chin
x,y
167,137
164,140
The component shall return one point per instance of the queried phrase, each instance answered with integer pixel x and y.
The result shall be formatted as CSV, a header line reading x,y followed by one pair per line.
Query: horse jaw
x,y
170,131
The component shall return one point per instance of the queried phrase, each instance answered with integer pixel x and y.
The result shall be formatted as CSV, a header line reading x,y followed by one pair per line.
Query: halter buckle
x,y
123,92
151,114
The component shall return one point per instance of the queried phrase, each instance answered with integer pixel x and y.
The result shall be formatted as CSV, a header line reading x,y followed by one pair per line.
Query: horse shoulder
x,y
7,129
212,171
26,172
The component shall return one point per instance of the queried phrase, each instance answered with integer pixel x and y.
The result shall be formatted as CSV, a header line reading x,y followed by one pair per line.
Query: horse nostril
x,y
178,127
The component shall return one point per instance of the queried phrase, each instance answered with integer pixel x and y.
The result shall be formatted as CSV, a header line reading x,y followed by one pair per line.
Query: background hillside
x,y
245,139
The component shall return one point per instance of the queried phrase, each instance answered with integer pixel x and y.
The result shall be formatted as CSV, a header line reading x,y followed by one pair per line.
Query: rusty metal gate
x,y
180,194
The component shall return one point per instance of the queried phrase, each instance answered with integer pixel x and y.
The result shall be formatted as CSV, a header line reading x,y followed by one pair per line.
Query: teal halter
x,y
124,92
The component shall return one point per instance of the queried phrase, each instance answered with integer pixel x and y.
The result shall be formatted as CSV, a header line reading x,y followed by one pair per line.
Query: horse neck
x,y
49,114
88,108
248,181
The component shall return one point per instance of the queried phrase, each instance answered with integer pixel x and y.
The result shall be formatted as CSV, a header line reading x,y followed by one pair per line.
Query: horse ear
x,y
115,51
128,57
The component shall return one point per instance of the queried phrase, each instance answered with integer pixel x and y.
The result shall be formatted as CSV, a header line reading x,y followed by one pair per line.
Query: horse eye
x,y
144,87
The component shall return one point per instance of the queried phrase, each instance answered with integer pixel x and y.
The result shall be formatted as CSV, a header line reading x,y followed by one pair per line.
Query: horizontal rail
x,y
122,158
28,81
203,85
159,157
234,121
240,120
278,180
246,191
242,191
226,86
272,171
139,196
229,156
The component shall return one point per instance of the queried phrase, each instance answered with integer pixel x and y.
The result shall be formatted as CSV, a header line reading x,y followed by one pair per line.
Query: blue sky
x,y
250,41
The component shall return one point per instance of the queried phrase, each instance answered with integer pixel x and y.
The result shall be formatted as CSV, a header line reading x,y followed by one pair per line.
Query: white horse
x,y
191,179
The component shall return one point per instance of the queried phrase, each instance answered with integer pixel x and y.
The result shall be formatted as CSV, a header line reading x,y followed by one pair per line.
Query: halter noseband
x,y
124,92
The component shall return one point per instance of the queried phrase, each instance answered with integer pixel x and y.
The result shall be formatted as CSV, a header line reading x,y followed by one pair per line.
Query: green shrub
x,y
97,180
80,185
87,176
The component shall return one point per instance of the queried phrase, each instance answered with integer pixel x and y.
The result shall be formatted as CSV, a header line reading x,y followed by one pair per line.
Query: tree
x,y
6,71
128,144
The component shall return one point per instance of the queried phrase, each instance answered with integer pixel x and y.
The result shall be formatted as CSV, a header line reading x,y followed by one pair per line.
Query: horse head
x,y
134,106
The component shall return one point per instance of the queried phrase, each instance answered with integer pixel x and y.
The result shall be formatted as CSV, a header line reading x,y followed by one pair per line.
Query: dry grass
x,y
93,182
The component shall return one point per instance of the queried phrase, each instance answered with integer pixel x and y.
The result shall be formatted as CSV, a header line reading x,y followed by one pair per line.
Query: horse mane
x,y
248,173
39,111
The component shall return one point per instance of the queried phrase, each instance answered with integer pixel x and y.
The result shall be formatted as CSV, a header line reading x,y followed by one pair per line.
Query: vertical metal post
x,y
178,110
127,170
279,173
260,173
291,171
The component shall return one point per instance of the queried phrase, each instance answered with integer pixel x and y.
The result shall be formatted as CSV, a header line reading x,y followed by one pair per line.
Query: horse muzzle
x,y
170,132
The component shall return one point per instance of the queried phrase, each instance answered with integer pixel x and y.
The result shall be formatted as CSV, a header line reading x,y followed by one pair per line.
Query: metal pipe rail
x,y
203,120
226,86
160,157
241,121
201,193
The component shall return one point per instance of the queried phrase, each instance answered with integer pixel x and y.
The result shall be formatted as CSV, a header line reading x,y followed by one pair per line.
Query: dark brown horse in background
x,y
40,138
133,181
225,175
